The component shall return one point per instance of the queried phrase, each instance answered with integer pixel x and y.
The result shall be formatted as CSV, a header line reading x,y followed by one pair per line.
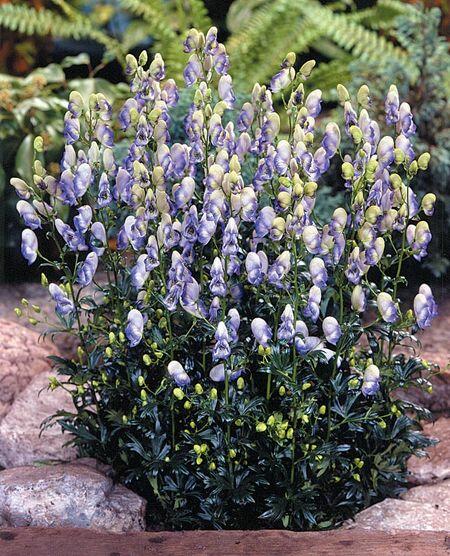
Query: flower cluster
x,y
226,316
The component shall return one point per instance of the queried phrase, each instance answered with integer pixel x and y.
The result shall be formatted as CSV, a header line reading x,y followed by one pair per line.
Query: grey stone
x,y
20,440
436,466
424,508
22,356
67,495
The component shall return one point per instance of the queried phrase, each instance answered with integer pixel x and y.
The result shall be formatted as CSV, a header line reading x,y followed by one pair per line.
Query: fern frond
x,y
306,25
328,74
29,21
275,23
362,43
198,15
166,41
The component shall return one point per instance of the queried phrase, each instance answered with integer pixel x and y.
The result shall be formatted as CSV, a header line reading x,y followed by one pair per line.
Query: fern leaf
x,y
166,41
29,21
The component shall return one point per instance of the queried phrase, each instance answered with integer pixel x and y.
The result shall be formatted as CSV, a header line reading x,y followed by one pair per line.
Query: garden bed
x,y
71,542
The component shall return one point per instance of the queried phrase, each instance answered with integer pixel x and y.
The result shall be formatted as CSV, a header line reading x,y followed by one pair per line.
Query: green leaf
x,y
25,158
82,59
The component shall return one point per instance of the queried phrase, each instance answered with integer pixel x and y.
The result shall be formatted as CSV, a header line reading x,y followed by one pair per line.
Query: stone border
x,y
76,542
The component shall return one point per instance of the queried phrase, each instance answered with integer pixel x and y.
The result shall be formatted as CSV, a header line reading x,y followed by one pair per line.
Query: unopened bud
x,y
348,171
342,93
307,68
423,161
38,144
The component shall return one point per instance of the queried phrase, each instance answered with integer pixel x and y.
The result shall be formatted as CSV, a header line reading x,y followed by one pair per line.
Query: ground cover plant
x,y
238,356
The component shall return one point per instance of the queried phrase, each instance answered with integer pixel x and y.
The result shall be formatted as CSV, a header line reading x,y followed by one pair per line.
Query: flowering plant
x,y
237,357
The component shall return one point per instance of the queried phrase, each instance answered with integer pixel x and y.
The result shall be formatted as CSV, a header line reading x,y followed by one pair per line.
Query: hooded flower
x,y
222,347
358,299
135,327
98,238
279,269
178,374
331,139
74,240
425,308
87,269
331,329
64,306
29,246
139,272
217,285
312,309
29,215
319,275
230,238
286,330
387,308
233,324
391,105
261,331
371,381
311,238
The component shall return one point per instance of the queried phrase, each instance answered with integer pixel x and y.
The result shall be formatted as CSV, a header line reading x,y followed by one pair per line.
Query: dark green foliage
x,y
347,456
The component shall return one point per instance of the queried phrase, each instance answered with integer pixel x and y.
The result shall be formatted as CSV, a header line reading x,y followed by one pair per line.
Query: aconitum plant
x,y
237,357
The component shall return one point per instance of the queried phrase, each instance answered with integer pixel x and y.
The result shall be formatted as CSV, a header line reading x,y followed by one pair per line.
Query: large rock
x,y
67,495
436,466
20,439
22,356
438,400
424,508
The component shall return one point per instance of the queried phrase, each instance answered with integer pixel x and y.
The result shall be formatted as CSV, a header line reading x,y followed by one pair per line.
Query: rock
x,y
424,508
438,494
22,356
20,443
67,495
436,466
438,400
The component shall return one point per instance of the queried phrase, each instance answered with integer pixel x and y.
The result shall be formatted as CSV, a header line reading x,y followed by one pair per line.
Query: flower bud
x,y
213,394
132,64
198,389
38,144
307,68
310,188
372,213
413,168
322,410
108,352
146,359
348,171
289,60
240,383
423,161
362,96
396,181
261,427
399,156
284,199
342,93
428,203
356,134
178,393
143,58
